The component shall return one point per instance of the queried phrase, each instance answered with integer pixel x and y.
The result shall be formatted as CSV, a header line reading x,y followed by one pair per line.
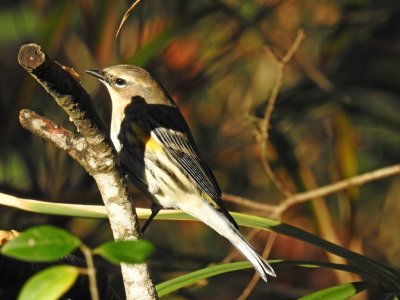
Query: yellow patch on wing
x,y
139,137
145,139
152,144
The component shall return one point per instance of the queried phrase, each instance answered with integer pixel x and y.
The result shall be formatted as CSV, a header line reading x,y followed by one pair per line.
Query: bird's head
x,y
124,82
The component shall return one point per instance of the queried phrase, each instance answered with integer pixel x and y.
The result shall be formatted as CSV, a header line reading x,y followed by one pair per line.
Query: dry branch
x,y
263,135
339,186
322,191
265,123
64,139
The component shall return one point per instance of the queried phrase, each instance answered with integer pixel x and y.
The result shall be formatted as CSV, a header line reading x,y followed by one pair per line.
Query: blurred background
x,y
337,115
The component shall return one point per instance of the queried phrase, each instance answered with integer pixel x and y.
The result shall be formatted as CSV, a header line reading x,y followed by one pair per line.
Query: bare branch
x,y
266,121
95,153
314,74
339,186
322,191
64,139
248,202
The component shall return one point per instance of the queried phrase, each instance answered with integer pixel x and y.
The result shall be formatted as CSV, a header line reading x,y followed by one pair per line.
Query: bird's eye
x,y
119,82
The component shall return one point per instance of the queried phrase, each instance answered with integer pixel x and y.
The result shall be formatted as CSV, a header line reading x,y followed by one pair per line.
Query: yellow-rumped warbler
x,y
157,149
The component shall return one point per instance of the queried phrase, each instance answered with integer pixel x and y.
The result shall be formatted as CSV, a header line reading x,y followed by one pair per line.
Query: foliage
x,y
49,284
48,244
39,244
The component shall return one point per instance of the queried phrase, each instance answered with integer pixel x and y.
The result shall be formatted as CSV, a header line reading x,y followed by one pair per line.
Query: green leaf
x,y
177,283
169,286
49,284
51,208
319,264
125,251
338,292
41,244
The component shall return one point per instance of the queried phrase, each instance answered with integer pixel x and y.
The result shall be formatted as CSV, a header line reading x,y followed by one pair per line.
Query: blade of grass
x,y
174,284
177,283
319,264
338,292
51,208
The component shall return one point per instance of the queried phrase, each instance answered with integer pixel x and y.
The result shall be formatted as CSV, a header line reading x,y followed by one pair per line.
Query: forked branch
x,y
265,122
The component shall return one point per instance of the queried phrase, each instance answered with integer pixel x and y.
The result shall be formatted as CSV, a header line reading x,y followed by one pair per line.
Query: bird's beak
x,y
98,74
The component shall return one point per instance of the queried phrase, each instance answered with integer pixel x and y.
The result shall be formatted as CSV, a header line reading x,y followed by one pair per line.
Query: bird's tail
x,y
259,264
218,221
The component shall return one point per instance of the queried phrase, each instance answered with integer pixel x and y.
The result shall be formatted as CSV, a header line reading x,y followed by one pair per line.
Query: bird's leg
x,y
154,211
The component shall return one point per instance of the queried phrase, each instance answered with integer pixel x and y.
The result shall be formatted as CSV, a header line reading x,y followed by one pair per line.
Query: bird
x,y
158,152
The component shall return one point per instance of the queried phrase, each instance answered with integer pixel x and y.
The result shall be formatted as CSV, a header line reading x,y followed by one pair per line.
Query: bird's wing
x,y
177,140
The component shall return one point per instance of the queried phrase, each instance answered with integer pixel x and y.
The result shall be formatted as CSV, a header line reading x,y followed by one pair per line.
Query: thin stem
x,y
322,191
266,121
250,203
91,272
126,15
339,186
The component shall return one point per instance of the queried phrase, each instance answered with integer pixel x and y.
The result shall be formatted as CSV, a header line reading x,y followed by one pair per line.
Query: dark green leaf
x,y
40,244
187,279
319,264
49,284
125,251
190,278
389,277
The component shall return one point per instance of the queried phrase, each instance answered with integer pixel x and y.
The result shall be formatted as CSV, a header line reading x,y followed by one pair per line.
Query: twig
x,y
64,139
91,272
265,123
314,74
126,15
95,153
315,193
339,186
248,203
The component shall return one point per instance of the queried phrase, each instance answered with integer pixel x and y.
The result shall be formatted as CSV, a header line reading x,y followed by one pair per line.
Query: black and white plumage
x,y
157,149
